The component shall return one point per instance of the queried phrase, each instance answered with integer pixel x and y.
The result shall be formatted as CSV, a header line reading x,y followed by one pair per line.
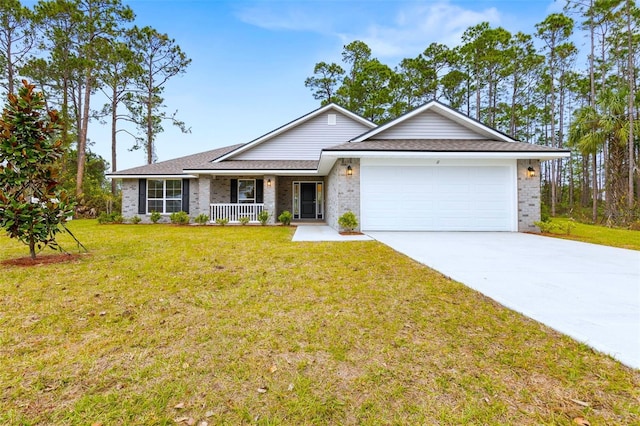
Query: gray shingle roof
x,y
442,145
204,160
177,165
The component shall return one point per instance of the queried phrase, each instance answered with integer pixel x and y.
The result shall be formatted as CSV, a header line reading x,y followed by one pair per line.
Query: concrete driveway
x,y
587,291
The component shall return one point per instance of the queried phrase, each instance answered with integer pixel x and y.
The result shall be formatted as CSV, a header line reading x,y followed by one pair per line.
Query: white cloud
x,y
294,17
390,29
415,27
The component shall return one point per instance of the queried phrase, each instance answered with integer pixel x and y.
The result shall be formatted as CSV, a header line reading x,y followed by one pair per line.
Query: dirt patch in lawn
x,y
41,260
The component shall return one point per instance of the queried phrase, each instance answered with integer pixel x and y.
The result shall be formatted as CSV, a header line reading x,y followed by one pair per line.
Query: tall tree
x,y
523,62
325,81
554,31
17,39
162,59
367,86
629,9
89,24
122,69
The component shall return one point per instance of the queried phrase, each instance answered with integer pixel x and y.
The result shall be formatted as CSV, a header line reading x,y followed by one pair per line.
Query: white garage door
x,y
411,195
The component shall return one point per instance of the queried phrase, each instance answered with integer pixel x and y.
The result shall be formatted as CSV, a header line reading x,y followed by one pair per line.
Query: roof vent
x,y
331,119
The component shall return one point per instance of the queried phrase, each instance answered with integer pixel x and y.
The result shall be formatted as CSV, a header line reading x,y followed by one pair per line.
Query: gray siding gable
x,y
429,125
306,141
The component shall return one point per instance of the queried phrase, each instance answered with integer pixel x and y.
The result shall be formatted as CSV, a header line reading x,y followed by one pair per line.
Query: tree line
x,y
531,87
77,51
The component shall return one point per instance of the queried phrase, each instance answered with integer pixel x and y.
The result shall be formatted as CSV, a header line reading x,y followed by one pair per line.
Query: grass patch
x,y
596,234
238,325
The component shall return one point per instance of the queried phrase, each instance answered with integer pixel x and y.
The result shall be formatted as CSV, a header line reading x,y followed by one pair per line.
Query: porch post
x,y
204,196
270,197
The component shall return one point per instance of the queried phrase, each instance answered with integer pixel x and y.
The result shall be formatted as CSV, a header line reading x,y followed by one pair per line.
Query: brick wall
x,y
343,192
269,197
285,193
528,196
130,198
204,194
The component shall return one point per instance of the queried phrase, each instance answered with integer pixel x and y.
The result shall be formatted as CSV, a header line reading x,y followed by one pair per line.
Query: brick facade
x,y
528,196
130,198
343,191
269,198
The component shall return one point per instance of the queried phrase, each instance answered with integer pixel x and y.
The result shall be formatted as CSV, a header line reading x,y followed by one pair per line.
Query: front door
x,y
308,200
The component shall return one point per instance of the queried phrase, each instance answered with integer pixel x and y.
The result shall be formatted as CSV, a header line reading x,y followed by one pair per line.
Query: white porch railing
x,y
234,212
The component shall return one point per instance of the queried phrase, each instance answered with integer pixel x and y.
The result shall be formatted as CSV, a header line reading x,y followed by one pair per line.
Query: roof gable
x,y
433,120
305,137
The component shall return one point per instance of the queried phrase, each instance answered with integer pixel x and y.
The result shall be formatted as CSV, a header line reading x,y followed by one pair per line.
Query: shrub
x,y
155,216
545,213
244,220
104,218
348,221
635,226
110,218
135,220
285,217
201,219
179,218
547,227
222,221
263,217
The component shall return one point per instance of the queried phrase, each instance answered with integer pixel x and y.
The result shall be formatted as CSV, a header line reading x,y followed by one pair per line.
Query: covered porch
x,y
236,197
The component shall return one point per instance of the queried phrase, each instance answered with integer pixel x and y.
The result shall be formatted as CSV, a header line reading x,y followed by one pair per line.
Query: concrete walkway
x,y
324,233
587,291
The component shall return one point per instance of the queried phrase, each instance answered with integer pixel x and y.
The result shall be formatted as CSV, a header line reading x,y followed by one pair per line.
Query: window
x,y
246,191
164,196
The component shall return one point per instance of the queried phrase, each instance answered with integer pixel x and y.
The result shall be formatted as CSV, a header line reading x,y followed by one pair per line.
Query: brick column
x,y
270,197
528,196
204,189
343,192
130,198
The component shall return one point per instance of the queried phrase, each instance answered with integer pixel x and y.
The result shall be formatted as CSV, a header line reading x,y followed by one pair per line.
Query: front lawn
x,y
596,234
238,325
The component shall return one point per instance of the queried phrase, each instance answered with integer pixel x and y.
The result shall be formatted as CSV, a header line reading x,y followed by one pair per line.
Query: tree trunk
x,y
149,130
114,153
512,120
32,247
630,151
552,108
571,186
594,204
9,65
82,137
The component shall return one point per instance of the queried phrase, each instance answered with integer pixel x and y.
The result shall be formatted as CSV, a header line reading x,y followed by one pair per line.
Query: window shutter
x,y
142,196
234,191
259,191
185,195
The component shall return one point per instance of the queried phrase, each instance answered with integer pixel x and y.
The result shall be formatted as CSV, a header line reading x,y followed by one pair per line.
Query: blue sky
x,y
250,58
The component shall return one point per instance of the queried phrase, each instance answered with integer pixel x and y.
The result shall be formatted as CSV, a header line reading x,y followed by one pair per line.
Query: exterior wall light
x,y
349,170
269,182
531,172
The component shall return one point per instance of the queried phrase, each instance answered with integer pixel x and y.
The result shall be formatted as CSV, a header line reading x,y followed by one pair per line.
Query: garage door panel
x,y
437,198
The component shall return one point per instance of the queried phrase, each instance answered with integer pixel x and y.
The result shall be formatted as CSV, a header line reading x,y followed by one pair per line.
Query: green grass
x,y
596,234
238,325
